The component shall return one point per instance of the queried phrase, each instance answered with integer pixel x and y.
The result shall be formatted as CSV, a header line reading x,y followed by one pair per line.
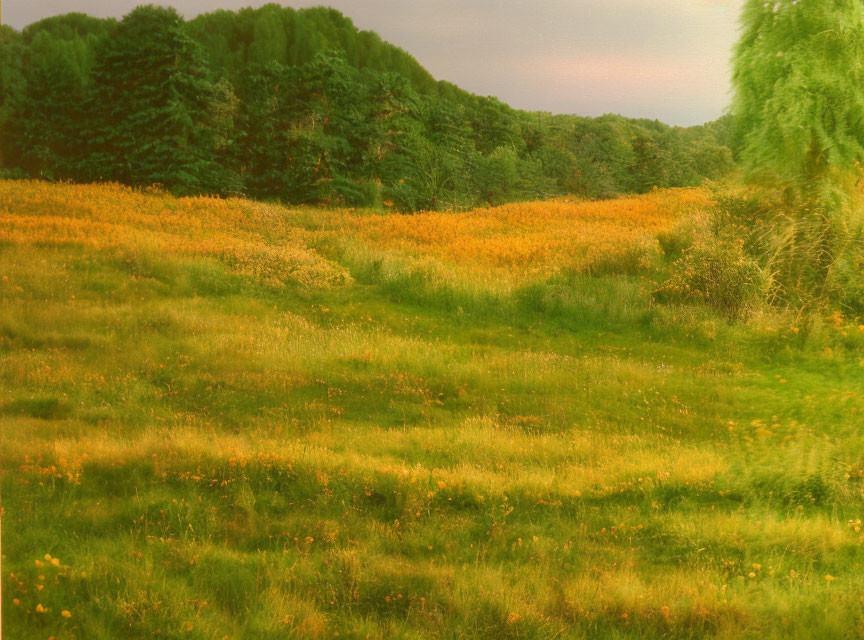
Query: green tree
x,y
594,175
269,40
799,90
799,116
12,88
495,125
302,106
648,168
50,112
265,119
429,175
495,176
327,143
154,107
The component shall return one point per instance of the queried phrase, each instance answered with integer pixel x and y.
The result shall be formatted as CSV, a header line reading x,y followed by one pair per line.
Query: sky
x,y
663,59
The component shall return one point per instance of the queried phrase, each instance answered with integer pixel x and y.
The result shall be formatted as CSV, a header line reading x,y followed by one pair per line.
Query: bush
x,y
716,273
810,251
367,194
846,279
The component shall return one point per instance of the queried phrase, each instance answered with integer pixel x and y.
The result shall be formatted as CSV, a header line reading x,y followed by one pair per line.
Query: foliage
x,y
155,115
808,252
799,119
717,273
300,106
799,90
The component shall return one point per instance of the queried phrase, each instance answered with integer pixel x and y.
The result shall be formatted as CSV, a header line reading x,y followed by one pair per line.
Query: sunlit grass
x,y
210,450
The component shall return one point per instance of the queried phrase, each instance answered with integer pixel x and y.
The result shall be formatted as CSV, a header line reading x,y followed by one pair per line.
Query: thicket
x,y
799,106
302,107
799,136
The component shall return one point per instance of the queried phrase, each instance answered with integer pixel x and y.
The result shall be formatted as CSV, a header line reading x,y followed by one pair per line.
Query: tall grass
x,y
809,246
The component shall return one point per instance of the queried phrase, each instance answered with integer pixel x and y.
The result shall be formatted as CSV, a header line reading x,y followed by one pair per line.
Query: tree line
x,y
301,106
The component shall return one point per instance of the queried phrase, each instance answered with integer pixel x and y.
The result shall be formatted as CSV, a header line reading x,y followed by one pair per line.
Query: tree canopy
x,y
301,106
799,123
799,89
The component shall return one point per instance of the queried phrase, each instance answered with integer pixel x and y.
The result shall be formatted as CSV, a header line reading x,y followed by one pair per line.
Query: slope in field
x,y
204,438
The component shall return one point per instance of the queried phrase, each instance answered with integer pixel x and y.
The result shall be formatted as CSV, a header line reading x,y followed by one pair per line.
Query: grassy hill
x,y
226,419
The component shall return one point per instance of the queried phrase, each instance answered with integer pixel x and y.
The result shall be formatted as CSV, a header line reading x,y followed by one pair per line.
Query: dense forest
x,y
301,106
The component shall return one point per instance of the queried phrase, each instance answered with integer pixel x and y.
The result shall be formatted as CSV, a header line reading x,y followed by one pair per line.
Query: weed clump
x,y
719,274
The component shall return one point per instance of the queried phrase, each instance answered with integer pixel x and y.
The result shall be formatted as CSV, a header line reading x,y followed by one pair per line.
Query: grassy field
x,y
224,419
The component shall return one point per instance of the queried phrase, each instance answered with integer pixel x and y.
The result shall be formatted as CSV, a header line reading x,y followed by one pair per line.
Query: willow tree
x,y
799,109
799,89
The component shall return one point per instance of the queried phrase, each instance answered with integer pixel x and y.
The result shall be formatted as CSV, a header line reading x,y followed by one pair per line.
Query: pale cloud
x,y
665,59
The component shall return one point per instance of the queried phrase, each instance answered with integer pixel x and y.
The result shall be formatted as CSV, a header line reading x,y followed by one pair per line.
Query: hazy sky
x,y
664,59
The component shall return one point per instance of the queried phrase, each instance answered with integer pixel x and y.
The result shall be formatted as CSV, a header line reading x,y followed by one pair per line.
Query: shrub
x,y
813,251
846,279
810,253
717,273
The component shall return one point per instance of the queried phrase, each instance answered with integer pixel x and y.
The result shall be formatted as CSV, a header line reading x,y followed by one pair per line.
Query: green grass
x,y
211,457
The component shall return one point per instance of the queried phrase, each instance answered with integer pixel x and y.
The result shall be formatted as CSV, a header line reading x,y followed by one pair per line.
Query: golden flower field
x,y
522,241
228,419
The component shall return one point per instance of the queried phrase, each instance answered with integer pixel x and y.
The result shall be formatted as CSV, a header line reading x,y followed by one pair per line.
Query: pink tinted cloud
x,y
604,71
604,83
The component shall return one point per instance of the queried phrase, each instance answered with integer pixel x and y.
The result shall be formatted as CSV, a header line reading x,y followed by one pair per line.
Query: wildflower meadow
x,y
228,419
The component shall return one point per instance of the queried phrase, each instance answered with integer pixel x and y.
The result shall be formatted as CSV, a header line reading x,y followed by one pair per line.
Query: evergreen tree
x,y
393,111
12,88
153,107
265,120
269,38
303,107
70,26
51,111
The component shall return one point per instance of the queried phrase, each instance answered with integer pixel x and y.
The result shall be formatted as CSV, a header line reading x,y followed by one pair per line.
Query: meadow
x,y
224,419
